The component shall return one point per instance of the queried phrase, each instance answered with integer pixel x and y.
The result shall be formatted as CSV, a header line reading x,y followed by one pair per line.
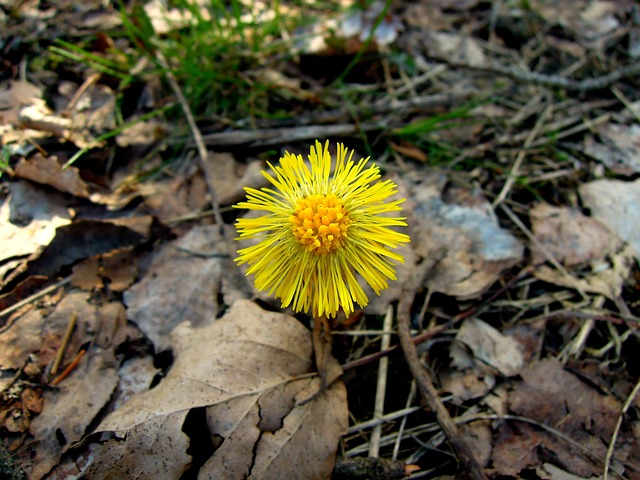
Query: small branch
x,y
557,81
429,392
424,336
34,297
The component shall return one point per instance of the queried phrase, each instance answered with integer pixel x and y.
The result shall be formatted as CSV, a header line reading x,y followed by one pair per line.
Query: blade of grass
x,y
115,132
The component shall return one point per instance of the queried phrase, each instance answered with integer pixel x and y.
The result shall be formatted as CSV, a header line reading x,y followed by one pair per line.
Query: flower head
x,y
321,227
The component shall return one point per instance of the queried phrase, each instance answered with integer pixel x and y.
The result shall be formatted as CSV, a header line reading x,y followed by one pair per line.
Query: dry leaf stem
x,y
64,344
429,392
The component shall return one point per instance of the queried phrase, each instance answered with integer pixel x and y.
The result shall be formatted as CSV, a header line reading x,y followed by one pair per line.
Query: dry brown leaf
x,y
94,110
620,147
143,134
466,385
571,237
552,396
136,376
184,282
116,269
29,218
15,96
601,262
462,246
70,409
250,369
489,347
480,351
86,238
606,277
616,204
48,171
231,177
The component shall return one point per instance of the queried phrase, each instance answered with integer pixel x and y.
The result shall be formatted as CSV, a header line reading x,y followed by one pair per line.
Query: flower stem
x,y
321,339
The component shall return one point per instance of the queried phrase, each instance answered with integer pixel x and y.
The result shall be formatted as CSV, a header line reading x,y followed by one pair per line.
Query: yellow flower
x,y
321,227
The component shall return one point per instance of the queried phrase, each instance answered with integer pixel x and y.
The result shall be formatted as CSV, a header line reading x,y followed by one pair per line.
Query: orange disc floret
x,y
320,223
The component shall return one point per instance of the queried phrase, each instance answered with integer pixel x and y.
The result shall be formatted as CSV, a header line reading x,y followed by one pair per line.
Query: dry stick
x,y
556,81
616,431
69,369
422,337
34,297
520,157
403,422
381,388
90,81
64,344
429,392
197,137
333,123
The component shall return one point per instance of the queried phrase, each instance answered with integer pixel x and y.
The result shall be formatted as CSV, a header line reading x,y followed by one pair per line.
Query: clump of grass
x,y
217,55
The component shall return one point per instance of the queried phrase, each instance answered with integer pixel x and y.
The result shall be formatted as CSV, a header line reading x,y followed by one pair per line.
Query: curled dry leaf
x,y
48,171
251,370
479,353
490,347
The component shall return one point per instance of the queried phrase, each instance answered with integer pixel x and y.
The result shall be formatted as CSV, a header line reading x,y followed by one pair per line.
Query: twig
x,y
429,392
197,137
381,388
69,369
90,81
616,430
418,339
358,427
276,136
556,81
64,344
34,297
520,157
403,423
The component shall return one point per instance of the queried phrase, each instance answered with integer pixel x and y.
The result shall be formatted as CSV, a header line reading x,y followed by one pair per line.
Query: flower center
x,y
320,223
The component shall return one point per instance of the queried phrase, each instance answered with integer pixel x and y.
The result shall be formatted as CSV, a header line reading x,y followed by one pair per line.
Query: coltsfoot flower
x,y
321,228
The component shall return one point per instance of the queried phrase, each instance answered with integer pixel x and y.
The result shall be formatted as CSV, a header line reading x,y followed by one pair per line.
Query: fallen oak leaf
x,y
251,370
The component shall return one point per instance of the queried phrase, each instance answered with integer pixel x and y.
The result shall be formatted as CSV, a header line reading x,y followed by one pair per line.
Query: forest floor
x,y
133,346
